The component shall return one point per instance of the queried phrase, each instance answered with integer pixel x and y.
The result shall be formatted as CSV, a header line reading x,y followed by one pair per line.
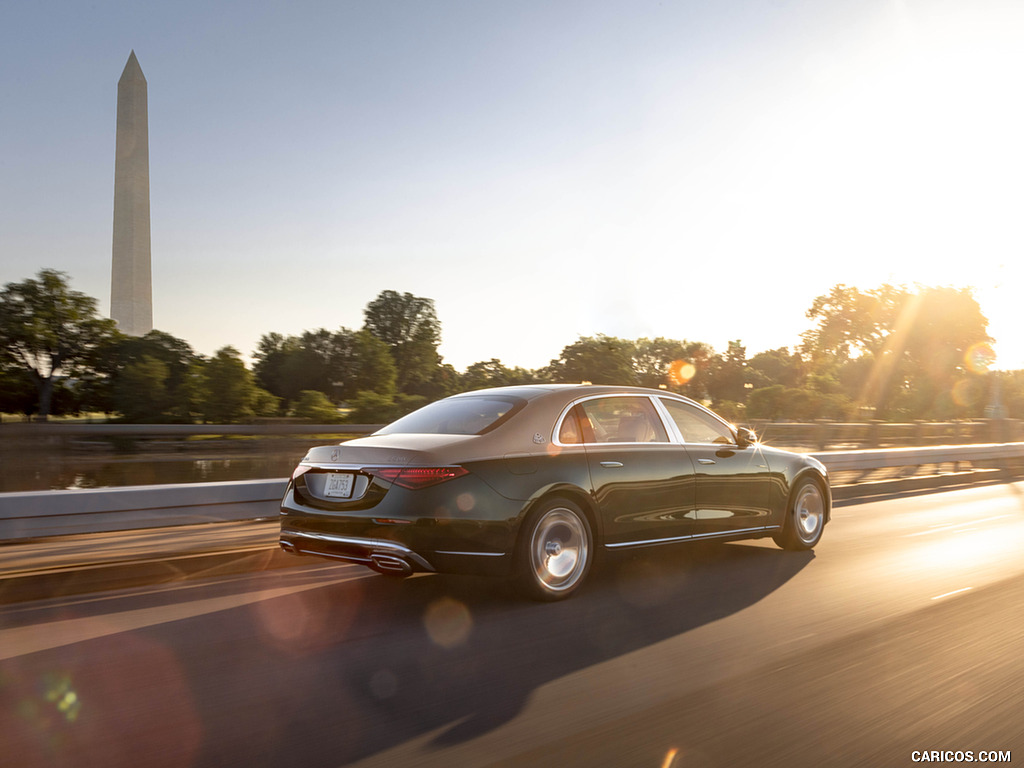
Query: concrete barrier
x,y
37,514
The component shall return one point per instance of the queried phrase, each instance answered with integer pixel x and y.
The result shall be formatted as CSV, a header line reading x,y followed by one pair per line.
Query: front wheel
x,y
555,550
805,518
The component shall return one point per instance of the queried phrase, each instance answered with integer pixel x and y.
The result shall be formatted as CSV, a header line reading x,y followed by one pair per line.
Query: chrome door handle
x,y
611,464
705,461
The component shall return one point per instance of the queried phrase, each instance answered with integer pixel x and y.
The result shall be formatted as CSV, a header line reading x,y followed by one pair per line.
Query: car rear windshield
x,y
457,416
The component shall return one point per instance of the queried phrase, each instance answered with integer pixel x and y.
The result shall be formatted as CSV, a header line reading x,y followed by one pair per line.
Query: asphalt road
x,y
903,632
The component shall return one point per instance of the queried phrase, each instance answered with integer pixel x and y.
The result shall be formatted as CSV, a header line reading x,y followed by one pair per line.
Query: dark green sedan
x,y
531,481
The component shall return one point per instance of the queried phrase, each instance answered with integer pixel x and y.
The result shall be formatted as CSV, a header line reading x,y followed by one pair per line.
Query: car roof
x,y
571,391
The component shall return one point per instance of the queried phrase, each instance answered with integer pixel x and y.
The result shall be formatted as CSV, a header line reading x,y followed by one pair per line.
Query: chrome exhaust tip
x,y
390,564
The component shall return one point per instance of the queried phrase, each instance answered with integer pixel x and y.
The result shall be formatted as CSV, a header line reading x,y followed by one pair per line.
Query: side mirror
x,y
745,437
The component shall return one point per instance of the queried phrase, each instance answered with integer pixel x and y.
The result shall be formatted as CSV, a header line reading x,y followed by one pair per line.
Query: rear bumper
x,y
394,535
375,553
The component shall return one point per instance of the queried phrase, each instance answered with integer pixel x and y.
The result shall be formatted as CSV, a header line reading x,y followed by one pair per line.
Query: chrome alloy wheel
x,y
559,550
808,513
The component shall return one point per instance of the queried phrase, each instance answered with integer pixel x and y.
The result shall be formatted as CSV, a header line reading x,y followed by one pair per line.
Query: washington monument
x,y
131,282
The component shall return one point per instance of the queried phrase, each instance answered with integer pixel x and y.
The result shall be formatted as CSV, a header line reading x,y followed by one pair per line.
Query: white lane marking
x,y
954,592
54,634
954,526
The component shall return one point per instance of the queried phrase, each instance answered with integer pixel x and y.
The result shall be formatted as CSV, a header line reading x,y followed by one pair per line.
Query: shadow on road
x,y
350,670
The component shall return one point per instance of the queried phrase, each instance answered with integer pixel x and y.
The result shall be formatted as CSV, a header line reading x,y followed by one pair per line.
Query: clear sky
x,y
541,169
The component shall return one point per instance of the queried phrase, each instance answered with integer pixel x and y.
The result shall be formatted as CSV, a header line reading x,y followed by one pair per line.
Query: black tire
x,y
555,550
805,517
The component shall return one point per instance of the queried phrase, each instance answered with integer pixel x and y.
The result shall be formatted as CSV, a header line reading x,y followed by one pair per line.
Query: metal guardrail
x,y
37,514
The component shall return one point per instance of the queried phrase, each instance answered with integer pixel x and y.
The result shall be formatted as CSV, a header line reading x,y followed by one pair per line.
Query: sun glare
x,y
894,157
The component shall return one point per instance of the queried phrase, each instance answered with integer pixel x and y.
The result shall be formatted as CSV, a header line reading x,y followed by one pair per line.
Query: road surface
x,y
902,633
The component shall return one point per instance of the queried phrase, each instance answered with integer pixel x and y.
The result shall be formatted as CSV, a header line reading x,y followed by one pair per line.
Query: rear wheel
x,y
805,518
555,550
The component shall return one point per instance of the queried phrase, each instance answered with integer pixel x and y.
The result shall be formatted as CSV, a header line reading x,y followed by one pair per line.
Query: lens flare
x,y
967,393
448,622
681,371
60,693
980,357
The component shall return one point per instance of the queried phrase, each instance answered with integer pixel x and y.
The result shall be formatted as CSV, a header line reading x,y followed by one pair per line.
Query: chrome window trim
x,y
686,401
565,412
675,437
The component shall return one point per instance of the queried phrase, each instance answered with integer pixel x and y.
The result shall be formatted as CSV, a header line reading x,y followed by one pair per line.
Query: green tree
x,y
728,376
494,373
905,349
766,402
141,390
850,322
363,363
337,364
776,366
270,360
228,389
49,331
377,408
18,392
598,359
316,407
110,383
680,366
409,326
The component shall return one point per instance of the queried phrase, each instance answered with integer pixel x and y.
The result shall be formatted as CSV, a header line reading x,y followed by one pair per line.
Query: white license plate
x,y
339,485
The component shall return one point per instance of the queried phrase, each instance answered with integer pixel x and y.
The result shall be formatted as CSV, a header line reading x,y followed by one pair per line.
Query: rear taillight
x,y
415,478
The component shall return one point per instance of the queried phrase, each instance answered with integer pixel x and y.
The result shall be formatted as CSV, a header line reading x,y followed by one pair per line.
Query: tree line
x,y
890,352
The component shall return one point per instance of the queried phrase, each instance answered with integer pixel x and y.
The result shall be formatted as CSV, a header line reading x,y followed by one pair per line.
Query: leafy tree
x,y
227,388
270,359
766,402
598,359
941,324
113,376
377,408
850,322
48,330
141,390
363,363
776,366
18,392
728,376
266,404
680,366
906,349
337,364
409,326
316,407
494,373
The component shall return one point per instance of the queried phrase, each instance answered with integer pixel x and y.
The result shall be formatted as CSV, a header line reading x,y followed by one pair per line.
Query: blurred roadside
x,y
58,566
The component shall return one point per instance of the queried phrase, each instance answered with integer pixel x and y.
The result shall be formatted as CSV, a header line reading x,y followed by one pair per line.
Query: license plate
x,y
339,485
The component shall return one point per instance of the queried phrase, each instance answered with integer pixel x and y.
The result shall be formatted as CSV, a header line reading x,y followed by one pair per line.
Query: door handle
x,y
611,464
705,461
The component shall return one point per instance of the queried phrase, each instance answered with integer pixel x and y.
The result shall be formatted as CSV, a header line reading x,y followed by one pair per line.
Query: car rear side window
x,y
695,425
457,416
621,420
